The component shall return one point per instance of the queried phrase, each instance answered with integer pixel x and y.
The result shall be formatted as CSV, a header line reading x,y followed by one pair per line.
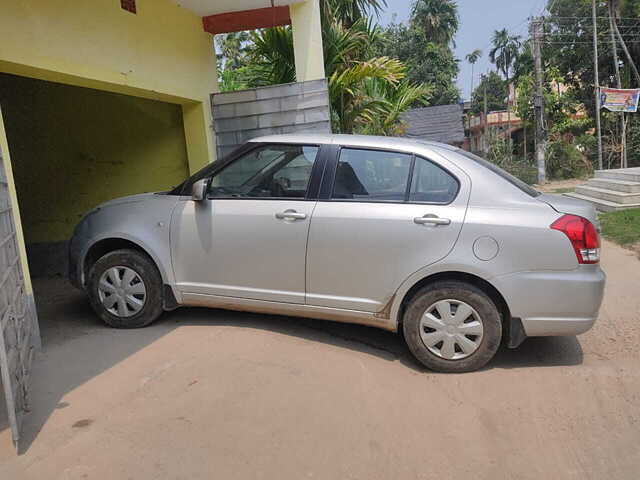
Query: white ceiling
x,y
204,8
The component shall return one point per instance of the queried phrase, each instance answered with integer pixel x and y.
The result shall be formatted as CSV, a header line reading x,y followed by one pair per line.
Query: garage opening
x,y
73,148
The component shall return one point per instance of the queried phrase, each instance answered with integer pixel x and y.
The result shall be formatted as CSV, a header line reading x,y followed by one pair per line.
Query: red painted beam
x,y
247,20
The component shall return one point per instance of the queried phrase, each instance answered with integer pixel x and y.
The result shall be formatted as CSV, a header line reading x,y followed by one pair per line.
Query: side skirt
x,y
287,309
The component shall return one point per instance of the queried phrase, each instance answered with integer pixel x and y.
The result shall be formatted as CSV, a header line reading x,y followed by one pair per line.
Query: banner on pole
x,y
619,100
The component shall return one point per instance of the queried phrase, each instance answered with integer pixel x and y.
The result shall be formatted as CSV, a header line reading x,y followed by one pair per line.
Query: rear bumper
x,y
554,303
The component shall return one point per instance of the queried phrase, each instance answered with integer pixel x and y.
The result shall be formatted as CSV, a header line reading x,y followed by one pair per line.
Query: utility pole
x,y
506,69
596,80
614,46
485,143
538,102
627,54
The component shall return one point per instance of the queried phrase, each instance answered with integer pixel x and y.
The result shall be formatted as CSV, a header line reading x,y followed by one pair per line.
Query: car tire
x,y
426,321
136,283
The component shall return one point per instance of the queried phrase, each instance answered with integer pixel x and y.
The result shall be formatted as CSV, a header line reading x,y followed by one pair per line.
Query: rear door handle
x,y
290,215
431,219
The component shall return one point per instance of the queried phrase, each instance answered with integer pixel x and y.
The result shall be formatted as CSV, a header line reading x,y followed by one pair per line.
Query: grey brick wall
x,y
19,331
293,107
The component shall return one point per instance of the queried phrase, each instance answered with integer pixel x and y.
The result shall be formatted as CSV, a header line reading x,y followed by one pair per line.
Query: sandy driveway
x,y
212,394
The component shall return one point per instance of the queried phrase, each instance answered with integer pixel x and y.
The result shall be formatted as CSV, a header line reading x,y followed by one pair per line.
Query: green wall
x,y
73,148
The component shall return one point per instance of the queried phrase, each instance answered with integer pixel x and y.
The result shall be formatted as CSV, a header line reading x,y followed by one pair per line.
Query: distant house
x,y
497,123
443,123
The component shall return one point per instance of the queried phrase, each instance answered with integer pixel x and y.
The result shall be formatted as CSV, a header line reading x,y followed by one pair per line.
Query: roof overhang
x,y
205,8
246,20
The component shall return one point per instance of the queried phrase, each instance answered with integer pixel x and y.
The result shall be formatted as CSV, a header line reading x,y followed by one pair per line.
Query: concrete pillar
x,y
199,137
307,40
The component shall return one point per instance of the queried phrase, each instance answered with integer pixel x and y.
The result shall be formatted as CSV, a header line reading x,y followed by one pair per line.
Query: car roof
x,y
371,141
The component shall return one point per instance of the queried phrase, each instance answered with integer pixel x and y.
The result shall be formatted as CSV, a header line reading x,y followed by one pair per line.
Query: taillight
x,y
583,236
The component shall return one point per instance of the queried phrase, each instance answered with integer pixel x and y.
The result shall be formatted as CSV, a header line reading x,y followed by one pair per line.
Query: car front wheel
x,y
452,326
125,289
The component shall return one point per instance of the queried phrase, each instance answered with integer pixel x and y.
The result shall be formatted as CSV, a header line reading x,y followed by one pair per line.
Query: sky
x,y
478,20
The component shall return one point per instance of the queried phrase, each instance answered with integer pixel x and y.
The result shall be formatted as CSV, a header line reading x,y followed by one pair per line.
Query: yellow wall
x,y
160,53
73,148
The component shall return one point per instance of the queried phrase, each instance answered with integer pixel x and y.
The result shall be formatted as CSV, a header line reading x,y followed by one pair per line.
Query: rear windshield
x,y
516,182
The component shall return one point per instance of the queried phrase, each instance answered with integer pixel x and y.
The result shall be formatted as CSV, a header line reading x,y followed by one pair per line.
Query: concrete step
x,y
603,205
612,184
609,195
627,174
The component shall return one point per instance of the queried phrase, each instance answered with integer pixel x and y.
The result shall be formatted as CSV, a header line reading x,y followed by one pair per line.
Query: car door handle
x,y
290,215
431,220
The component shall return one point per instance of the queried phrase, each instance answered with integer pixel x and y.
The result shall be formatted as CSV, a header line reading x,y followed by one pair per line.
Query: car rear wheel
x,y
452,327
125,289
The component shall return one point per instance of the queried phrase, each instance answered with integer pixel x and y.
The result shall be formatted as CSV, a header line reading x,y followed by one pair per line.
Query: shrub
x,y
565,160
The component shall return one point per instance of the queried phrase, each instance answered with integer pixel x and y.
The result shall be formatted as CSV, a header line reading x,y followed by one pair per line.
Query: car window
x,y
431,183
273,171
371,175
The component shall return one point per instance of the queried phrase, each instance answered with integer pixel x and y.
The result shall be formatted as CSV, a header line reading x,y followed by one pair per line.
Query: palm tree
x,y
271,55
351,67
231,46
472,58
438,18
350,11
347,92
505,51
397,99
504,54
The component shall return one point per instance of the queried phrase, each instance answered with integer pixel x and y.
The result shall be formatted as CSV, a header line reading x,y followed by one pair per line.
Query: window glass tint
x,y
430,183
275,171
370,175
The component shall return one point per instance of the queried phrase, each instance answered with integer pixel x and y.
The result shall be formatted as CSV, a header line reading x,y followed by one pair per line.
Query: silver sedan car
x,y
393,233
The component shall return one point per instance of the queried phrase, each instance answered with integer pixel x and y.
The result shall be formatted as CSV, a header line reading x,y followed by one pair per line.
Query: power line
x,y
558,34
551,6
568,44
589,18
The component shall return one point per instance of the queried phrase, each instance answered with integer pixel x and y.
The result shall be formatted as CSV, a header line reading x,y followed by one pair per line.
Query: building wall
x,y
295,107
161,53
73,148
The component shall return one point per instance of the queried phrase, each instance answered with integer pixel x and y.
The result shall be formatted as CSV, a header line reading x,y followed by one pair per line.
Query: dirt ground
x,y
213,394
559,185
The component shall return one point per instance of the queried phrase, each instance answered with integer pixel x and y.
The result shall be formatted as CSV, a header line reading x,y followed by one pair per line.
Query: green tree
x,y
367,91
505,51
271,57
232,49
496,90
504,54
568,47
438,19
349,12
472,58
397,99
424,46
232,60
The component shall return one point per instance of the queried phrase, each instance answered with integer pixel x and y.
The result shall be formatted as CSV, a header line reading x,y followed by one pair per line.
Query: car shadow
x,y
78,347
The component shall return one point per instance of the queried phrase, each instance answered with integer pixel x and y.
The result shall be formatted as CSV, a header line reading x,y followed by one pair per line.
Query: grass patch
x,y
623,227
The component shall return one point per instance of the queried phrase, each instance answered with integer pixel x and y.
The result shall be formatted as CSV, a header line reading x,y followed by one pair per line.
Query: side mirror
x,y
199,190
